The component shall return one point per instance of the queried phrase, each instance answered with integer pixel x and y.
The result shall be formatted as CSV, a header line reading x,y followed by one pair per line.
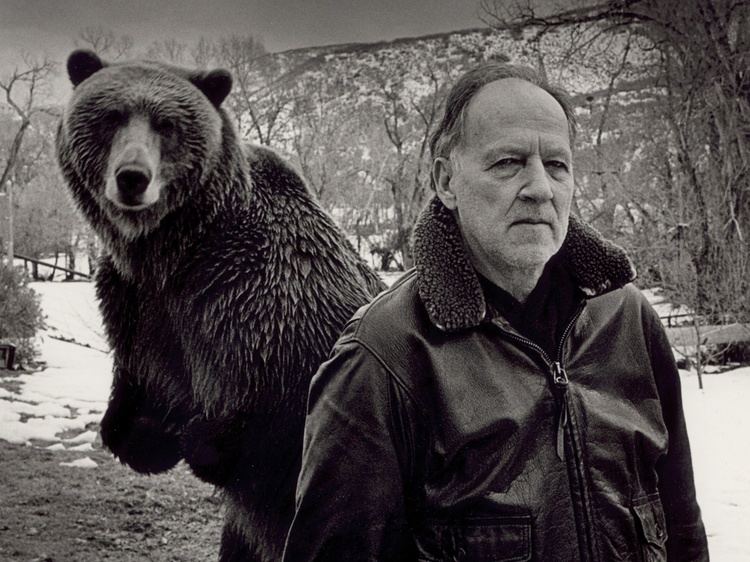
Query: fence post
x,y
6,221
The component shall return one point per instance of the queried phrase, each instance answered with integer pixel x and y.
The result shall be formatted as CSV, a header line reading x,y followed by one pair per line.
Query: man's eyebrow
x,y
516,149
557,152
512,149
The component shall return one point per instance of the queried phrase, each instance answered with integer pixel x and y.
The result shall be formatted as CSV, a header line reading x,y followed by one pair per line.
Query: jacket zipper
x,y
560,379
559,376
560,384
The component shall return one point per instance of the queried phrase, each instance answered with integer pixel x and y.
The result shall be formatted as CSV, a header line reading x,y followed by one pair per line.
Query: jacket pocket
x,y
652,528
486,539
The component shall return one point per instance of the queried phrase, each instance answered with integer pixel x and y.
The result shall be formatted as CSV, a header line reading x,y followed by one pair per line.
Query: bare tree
x,y
203,53
408,103
701,52
168,50
22,93
325,132
258,98
104,42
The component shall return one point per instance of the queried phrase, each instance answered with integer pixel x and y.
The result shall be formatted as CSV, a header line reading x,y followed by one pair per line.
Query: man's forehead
x,y
516,141
515,103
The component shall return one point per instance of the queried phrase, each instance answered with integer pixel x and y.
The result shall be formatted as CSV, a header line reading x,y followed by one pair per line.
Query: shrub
x,y
20,312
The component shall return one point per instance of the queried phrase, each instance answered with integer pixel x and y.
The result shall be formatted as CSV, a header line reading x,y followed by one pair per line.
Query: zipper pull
x,y
561,423
559,376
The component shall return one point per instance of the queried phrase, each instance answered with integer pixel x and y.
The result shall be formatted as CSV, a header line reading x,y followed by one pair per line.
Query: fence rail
x,y
716,334
51,265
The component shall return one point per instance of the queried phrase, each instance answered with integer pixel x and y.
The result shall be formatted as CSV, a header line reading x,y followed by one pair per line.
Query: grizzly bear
x,y
223,287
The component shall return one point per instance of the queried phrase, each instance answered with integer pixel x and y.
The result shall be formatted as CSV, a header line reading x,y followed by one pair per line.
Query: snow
x,y
54,406
390,277
85,462
719,426
72,390
87,437
665,309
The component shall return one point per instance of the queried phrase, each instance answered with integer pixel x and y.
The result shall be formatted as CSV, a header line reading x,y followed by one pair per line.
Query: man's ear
x,y
442,172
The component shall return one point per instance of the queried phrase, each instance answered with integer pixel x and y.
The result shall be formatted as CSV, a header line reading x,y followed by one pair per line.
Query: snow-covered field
x,y
73,389
51,409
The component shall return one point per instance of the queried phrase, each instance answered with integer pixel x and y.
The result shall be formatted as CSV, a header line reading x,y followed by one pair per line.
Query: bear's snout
x,y
132,182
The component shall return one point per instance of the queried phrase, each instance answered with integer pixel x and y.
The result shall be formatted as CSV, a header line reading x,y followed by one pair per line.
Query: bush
x,y
20,312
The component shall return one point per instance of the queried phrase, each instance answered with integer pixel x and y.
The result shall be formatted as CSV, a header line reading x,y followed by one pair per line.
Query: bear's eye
x,y
164,127
112,118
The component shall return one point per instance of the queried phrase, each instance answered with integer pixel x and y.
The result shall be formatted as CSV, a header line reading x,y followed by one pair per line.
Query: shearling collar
x,y
450,289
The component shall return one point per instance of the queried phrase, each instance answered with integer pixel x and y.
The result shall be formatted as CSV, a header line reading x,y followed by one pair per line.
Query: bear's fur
x,y
223,287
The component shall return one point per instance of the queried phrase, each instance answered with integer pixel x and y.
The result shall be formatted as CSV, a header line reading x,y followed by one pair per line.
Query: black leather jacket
x,y
436,432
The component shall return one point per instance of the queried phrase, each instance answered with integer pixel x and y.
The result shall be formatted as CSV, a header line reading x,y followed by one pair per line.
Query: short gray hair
x,y
450,131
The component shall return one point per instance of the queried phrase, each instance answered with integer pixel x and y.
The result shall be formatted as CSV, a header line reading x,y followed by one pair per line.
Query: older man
x,y
513,397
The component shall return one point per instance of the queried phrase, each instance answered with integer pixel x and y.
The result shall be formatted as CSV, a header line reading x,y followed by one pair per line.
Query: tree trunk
x,y
71,259
698,355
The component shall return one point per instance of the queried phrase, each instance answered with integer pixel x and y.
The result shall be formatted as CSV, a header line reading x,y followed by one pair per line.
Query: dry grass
x,y
55,513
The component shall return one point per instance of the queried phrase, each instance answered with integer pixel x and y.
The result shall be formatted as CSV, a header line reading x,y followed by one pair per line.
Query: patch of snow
x,y
77,377
390,277
34,410
44,429
72,313
85,462
7,415
665,309
56,447
85,437
82,447
718,426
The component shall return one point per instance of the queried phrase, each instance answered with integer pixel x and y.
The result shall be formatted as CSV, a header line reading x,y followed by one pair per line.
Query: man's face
x,y
510,180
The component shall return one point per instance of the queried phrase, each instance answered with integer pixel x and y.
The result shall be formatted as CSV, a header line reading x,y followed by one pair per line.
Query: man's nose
x,y
537,185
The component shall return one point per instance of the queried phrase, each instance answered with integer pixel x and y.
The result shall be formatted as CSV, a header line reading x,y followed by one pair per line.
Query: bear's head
x,y
137,139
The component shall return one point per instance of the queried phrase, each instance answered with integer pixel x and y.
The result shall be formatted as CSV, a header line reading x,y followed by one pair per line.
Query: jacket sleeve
x,y
686,535
350,502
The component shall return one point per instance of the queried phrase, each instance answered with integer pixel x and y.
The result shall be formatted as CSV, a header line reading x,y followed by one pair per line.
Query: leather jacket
x,y
436,431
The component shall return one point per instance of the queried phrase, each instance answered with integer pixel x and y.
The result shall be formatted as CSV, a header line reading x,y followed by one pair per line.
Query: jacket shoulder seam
x,y
380,296
389,371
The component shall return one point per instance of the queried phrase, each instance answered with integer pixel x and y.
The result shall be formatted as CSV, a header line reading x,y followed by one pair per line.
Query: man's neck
x,y
518,282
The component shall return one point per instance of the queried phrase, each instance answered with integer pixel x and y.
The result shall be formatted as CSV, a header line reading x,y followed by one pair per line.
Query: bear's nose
x,y
132,182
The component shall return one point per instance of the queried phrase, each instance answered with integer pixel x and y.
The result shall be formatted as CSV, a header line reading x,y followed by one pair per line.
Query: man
x,y
513,397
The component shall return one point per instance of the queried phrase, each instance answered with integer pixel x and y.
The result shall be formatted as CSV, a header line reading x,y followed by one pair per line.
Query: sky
x,y
50,26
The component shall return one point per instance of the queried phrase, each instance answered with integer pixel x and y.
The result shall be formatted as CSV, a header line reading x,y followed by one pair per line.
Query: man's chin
x,y
530,256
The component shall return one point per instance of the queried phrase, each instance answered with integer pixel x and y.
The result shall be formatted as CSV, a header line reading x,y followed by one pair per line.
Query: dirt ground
x,y
56,513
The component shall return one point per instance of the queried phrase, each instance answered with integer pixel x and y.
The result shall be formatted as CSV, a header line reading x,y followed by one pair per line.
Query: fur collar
x,y
449,286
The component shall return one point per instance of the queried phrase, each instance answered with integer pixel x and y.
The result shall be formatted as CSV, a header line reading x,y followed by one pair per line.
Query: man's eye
x,y
507,163
556,165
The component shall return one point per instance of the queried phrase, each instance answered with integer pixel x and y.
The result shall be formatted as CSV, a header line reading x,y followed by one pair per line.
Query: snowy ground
x,y
51,409
73,389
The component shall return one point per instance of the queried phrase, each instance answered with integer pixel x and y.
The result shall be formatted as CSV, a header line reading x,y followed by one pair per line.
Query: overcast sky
x,y
39,26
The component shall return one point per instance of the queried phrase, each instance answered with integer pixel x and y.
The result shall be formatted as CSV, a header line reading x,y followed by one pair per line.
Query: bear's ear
x,y
215,84
82,64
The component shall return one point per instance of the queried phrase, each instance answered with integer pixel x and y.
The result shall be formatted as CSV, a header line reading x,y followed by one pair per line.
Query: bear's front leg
x,y
213,448
137,435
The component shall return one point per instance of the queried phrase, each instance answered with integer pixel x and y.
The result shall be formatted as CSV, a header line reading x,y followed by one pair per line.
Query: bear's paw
x,y
212,449
141,443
